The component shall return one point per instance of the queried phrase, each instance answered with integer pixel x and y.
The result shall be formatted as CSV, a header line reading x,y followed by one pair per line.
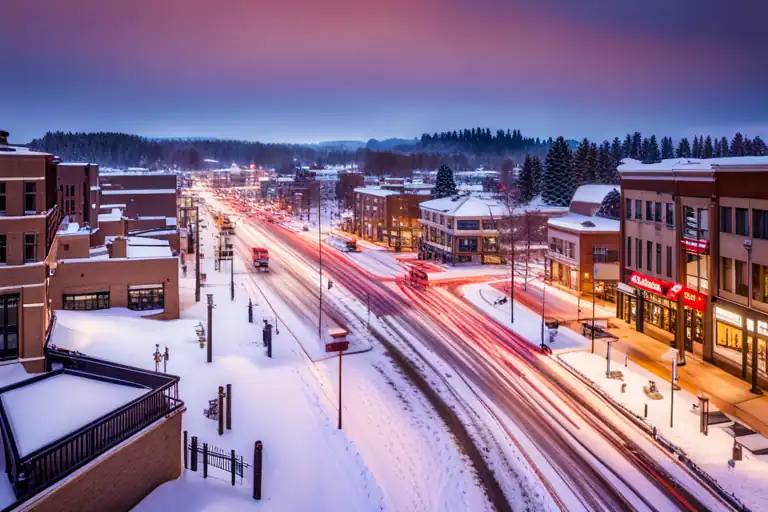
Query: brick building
x,y
388,216
695,258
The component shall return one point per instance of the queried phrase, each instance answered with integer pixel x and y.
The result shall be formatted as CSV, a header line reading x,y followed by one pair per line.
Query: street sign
x,y
337,346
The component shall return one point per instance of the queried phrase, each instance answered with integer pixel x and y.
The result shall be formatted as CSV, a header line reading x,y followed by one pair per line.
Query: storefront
x,y
734,324
564,274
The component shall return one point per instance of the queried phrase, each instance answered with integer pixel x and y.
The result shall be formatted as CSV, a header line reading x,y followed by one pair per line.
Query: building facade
x,y
694,258
388,216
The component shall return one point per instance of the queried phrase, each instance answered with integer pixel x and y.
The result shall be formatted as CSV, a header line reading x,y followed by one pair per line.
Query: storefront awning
x,y
625,288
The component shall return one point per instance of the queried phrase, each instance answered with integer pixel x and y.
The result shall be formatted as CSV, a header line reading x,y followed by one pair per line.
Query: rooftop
x,y
139,191
6,150
593,193
693,164
376,191
465,206
583,223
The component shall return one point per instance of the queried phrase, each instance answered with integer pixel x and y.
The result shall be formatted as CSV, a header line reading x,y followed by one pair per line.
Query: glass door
x,y
9,326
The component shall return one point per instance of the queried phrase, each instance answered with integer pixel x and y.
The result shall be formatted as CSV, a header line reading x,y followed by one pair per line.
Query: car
x,y
305,228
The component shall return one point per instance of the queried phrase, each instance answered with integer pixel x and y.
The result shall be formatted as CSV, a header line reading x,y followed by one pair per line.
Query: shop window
x,y
742,221
468,225
670,214
491,244
759,282
726,274
669,261
467,244
648,210
629,251
489,224
760,224
726,219
697,271
146,298
86,301
649,255
657,212
3,248
9,326
628,209
638,209
742,285
639,247
658,259
30,247
2,199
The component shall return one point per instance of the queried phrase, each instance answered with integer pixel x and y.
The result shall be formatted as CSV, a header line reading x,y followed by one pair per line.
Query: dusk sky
x,y
307,70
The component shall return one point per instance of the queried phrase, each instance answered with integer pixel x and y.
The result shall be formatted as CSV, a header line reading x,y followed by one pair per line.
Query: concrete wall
x,y
115,276
121,478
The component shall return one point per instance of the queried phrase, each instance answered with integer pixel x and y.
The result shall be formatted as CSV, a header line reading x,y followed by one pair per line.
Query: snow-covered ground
x,y
394,453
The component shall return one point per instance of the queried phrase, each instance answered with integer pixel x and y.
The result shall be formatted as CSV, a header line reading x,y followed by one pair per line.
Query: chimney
x,y
118,248
4,137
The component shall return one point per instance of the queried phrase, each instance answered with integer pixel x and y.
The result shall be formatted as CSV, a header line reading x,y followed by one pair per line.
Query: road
x,y
575,442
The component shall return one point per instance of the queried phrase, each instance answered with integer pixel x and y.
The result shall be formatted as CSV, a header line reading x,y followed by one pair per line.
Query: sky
x,y
310,70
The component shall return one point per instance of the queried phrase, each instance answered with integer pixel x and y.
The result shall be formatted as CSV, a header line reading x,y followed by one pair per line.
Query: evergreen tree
x,y
717,151
749,149
709,151
644,150
444,184
759,147
684,148
581,163
558,184
591,169
701,146
667,148
636,146
737,145
525,184
616,153
626,147
652,154
610,208
725,149
537,175
695,147
606,165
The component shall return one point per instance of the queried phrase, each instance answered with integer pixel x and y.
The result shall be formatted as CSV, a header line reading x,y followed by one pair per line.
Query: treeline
x,y
122,150
402,164
650,150
479,141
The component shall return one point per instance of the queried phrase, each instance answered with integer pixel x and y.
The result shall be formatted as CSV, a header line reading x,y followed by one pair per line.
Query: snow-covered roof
x,y
115,215
583,223
376,191
73,164
593,193
465,206
110,206
139,191
44,411
537,205
19,151
692,164
143,247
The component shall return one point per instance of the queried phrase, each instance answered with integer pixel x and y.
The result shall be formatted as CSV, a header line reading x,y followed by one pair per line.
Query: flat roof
x,y
678,165
378,192
584,223
6,150
124,191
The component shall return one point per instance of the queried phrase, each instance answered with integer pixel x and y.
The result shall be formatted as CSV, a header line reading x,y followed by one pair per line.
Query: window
x,y
628,208
669,261
629,251
657,212
638,209
468,225
467,244
697,271
670,214
648,210
726,219
491,244
742,286
489,224
649,255
690,226
759,282
30,197
145,297
742,221
30,247
86,301
658,259
703,223
760,224
726,274
571,250
3,253
639,247
9,326
2,199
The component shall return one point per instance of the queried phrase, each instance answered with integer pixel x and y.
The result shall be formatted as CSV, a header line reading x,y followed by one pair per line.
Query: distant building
x,y
388,216
345,188
583,251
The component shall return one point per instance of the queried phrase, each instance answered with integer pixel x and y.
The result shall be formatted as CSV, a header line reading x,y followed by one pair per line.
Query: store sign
x,y
694,299
693,245
650,284
727,316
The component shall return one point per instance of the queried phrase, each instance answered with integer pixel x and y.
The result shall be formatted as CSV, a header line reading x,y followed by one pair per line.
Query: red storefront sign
x,y
650,284
694,299
693,245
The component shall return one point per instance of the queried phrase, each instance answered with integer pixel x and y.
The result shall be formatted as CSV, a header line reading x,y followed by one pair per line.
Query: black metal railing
x,y
52,222
43,467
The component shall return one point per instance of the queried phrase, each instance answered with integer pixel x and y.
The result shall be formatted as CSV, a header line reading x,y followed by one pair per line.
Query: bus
x,y
342,242
418,278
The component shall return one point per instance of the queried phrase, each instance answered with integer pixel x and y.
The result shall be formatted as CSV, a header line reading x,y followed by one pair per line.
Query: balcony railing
x,y
52,222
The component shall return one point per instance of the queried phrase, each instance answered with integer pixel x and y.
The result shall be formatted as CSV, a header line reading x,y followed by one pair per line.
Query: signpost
x,y
339,344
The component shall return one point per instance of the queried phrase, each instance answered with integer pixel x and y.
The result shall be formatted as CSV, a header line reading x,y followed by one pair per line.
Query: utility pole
x,y
543,299
320,251
593,310
232,275
754,389
210,327
197,252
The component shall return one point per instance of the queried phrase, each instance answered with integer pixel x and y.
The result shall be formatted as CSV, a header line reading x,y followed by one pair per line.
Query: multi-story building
x,y
29,218
388,216
583,251
695,257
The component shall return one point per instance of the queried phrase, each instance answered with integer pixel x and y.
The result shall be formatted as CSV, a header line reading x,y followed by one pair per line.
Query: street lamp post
x,y
754,389
543,300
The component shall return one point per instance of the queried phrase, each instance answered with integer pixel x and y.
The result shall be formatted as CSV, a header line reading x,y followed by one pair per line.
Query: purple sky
x,y
301,70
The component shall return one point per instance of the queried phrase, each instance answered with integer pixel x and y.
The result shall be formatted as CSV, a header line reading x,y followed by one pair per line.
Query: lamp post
x,y
754,389
543,300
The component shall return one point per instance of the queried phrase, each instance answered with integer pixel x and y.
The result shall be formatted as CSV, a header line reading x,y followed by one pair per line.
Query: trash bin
x,y
736,450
